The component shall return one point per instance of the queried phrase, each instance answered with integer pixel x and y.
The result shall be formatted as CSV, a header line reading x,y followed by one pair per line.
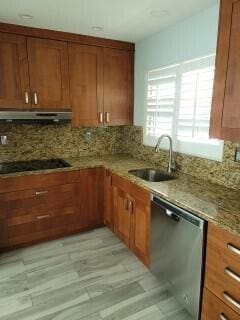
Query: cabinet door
x,y
122,219
14,78
3,231
91,194
48,68
140,231
108,200
86,84
225,118
118,87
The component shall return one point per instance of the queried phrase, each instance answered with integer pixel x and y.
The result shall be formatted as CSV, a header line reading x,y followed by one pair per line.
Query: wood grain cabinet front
x,y
223,266
215,309
14,76
225,117
39,207
132,217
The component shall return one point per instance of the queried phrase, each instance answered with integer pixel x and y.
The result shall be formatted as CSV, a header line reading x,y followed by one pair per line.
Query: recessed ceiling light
x,y
97,28
25,16
159,13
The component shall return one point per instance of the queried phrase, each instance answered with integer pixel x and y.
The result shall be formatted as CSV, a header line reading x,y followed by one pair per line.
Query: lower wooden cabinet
x,y
108,200
215,309
222,275
91,194
132,217
46,206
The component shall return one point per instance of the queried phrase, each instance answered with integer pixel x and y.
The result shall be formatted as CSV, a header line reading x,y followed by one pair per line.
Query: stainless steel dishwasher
x,y
177,252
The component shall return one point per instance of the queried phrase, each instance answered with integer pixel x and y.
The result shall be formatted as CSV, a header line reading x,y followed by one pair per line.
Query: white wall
x,y
191,38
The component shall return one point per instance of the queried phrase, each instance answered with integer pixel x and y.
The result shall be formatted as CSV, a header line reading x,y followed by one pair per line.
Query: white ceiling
x,y
128,20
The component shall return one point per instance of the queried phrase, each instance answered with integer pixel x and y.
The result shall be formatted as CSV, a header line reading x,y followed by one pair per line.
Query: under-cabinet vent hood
x,y
34,117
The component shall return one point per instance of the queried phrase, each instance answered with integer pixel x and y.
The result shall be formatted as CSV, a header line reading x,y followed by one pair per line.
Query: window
x,y
178,103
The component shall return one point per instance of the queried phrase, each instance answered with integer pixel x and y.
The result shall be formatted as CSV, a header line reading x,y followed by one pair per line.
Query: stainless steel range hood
x,y
34,117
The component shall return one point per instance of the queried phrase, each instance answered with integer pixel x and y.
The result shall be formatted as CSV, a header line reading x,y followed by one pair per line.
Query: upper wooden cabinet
x,y
101,85
118,87
225,117
48,70
86,84
14,78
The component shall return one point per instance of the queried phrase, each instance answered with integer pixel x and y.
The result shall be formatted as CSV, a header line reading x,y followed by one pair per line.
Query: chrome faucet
x,y
171,162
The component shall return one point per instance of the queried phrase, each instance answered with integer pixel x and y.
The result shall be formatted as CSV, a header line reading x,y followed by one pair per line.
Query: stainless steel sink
x,y
152,175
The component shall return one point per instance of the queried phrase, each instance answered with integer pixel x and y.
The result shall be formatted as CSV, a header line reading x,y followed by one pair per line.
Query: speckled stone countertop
x,y
211,202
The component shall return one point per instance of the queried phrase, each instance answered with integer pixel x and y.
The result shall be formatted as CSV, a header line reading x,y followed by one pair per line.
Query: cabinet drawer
x,y
33,181
215,309
48,224
17,205
223,266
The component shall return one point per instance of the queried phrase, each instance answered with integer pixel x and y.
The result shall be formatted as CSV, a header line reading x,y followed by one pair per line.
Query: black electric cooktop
x,y
32,165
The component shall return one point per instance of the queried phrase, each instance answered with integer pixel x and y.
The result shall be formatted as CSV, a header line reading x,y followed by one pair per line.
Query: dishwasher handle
x,y
171,215
177,213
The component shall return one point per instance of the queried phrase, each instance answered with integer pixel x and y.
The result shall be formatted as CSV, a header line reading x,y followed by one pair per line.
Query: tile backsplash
x,y
225,173
27,142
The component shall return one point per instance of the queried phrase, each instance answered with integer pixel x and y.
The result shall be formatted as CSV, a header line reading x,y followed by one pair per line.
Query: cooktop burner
x,y
32,165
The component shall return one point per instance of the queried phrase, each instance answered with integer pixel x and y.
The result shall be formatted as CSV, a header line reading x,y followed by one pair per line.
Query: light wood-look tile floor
x,y
90,276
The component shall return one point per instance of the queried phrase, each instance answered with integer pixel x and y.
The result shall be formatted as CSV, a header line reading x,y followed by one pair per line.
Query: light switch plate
x,y
237,155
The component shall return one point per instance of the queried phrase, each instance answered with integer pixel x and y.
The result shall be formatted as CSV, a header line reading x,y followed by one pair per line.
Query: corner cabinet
x,y
225,116
132,217
118,87
101,85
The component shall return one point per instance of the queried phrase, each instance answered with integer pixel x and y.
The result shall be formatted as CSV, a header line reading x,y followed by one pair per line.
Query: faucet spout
x,y
171,162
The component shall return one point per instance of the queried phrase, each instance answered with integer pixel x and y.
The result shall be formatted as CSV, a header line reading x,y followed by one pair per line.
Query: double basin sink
x,y
152,175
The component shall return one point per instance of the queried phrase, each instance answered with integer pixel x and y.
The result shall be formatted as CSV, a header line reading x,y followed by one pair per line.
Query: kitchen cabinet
x,y
225,116
108,200
118,87
48,71
222,275
91,193
101,85
34,73
86,84
39,207
132,217
14,79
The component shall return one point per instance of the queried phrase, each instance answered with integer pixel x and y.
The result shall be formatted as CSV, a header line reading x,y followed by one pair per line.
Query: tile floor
x,y
91,276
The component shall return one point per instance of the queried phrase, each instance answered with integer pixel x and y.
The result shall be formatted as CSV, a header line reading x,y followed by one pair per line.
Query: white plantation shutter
x,y
178,103
161,100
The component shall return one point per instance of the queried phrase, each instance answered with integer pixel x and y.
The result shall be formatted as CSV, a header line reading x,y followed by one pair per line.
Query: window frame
x,y
198,148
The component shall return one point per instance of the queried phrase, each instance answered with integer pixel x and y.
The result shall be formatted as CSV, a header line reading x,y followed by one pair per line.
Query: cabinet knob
x,y
126,204
35,98
107,117
26,97
100,117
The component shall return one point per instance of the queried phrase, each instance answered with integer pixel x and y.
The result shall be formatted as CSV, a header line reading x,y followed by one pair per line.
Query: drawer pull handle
x,y
126,204
38,193
26,97
223,317
232,274
100,117
131,207
233,249
35,98
43,217
107,117
232,301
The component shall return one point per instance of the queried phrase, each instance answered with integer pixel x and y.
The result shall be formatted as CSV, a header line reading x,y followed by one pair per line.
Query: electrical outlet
x,y
237,155
88,136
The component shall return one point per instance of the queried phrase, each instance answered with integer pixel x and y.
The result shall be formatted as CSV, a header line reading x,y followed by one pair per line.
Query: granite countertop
x,y
211,202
